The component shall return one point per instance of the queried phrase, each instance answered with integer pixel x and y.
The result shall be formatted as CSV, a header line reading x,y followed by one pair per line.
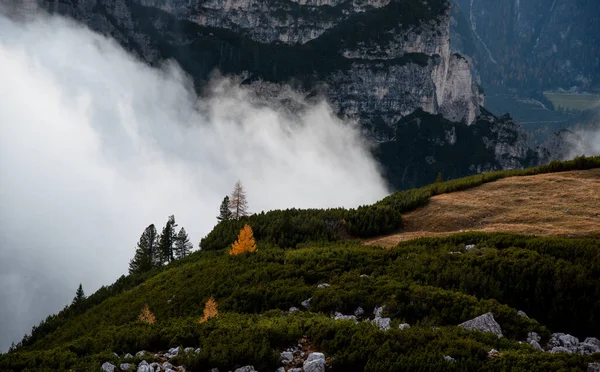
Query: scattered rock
x,y
116,355
125,366
522,313
140,354
292,309
197,351
364,276
167,365
566,341
359,311
188,350
484,323
448,358
287,357
323,285
174,351
246,369
144,367
536,345
533,336
404,326
280,369
591,345
378,311
306,303
155,366
593,367
128,356
468,247
560,349
382,323
294,370
493,353
214,370
107,367
314,363
340,316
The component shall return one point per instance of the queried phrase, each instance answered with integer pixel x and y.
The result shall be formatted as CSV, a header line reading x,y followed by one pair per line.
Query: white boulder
x,y
484,323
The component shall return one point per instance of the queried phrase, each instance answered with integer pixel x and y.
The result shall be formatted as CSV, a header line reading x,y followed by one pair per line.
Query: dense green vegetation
x,y
291,227
420,282
432,284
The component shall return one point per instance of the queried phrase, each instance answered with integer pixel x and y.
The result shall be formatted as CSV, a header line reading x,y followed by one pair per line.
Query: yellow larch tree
x,y
210,310
244,243
146,316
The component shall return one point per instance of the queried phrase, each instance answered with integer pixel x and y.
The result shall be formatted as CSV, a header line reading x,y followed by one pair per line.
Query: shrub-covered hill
x,y
433,284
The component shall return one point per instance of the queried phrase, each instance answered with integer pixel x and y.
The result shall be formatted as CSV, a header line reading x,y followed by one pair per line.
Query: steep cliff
x,y
374,61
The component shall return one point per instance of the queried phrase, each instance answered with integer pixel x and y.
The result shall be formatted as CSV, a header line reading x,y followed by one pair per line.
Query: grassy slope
x,y
554,204
555,280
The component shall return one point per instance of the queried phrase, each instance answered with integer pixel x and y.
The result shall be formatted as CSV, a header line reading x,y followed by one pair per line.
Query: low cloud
x,y
96,145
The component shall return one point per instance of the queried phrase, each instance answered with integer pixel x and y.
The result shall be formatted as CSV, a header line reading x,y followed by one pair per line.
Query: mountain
x,y
375,61
522,49
312,297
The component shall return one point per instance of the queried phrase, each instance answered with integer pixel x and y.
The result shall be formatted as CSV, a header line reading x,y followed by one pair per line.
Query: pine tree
x,y
244,243
210,310
79,296
146,315
225,214
147,247
439,178
238,203
166,241
182,245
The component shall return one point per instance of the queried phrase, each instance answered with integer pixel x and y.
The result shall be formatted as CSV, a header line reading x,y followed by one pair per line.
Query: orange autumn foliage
x,y
244,243
210,310
146,316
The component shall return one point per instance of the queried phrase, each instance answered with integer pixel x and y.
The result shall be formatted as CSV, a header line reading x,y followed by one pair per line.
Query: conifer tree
x,y
182,246
225,214
79,296
238,203
439,178
166,241
244,243
144,259
210,310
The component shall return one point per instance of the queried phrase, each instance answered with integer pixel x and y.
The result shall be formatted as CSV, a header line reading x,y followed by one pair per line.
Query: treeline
x,y
433,284
288,228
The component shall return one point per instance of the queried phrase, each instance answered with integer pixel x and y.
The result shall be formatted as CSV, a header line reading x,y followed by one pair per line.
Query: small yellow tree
x,y
244,243
146,316
210,310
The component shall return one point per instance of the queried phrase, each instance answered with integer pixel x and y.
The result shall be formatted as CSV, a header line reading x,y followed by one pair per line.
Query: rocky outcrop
x,y
314,363
484,323
107,367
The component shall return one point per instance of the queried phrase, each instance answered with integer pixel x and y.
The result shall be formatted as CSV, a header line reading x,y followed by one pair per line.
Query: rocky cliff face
x,y
376,61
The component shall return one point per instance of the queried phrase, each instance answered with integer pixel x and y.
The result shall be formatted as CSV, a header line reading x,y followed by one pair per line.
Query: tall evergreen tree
x,y
225,214
167,241
146,252
238,203
182,245
79,296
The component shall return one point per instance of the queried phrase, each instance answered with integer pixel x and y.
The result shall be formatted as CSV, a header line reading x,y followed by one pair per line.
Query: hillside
x,y
557,204
312,297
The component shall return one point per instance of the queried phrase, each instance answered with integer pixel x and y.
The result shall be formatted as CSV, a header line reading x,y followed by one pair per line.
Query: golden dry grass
x,y
556,204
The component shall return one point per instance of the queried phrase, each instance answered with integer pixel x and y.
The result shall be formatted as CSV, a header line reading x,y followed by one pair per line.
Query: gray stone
x,y
197,351
591,345
359,311
107,367
382,323
593,367
214,370
306,303
566,341
314,363
128,356
522,313
323,285
125,366
280,369
140,354
292,309
340,316
404,326
167,365
533,336
155,367
174,351
536,345
287,357
484,323
188,350
448,358
560,349
295,370
144,367
468,247
364,276
493,353
246,369
378,311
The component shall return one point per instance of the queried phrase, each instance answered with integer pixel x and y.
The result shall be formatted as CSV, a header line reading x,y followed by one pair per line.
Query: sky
x,y
95,146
